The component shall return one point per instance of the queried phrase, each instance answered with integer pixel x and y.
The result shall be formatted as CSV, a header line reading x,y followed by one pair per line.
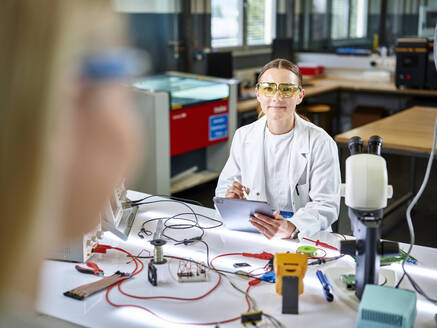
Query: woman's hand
x,y
275,226
237,190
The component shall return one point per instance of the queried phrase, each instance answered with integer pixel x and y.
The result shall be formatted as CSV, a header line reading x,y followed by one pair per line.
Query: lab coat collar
x,y
299,151
301,134
257,173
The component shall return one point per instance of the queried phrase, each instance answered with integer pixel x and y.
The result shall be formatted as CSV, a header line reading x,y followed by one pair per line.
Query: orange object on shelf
x,y
311,69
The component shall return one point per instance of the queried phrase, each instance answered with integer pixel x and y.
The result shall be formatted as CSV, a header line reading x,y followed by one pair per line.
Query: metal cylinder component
x,y
158,230
158,255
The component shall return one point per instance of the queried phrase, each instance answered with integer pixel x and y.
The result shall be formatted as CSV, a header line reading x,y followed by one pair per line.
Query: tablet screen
x,y
237,212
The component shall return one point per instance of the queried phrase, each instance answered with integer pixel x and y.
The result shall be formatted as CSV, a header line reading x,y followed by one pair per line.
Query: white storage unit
x,y
177,114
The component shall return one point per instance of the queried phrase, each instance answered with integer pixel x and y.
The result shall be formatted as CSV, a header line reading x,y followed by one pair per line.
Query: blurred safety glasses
x,y
115,63
286,90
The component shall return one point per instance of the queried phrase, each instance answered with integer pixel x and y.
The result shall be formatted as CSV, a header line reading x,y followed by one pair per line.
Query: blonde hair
x,y
42,42
283,64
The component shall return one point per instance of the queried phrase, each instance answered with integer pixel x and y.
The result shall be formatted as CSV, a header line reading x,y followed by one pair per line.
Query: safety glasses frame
x,y
278,86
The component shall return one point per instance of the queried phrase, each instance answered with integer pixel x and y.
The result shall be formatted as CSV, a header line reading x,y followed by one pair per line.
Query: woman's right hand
x,y
237,191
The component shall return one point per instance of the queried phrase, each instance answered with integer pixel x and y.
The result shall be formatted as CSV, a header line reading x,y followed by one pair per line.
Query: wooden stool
x,y
314,111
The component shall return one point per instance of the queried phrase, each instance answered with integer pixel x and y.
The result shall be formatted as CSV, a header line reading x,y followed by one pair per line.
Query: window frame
x,y
305,27
245,48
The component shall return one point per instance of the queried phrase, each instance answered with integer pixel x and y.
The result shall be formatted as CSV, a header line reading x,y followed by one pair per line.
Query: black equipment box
x,y
431,72
411,62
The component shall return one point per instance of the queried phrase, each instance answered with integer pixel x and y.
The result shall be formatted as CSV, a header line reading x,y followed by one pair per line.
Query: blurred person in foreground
x,y
66,134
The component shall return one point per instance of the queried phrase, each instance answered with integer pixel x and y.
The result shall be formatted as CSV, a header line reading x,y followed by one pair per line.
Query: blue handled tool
x,y
325,284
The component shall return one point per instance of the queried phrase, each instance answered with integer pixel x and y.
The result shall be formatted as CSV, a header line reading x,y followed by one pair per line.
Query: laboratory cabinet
x,y
187,123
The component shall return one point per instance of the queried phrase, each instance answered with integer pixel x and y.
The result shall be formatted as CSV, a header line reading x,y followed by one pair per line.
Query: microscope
x,y
366,192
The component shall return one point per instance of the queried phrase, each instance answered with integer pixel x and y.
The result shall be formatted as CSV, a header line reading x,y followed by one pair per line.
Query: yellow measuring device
x,y
290,264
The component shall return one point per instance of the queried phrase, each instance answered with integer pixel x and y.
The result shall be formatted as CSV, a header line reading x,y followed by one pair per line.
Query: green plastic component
x,y
349,281
393,259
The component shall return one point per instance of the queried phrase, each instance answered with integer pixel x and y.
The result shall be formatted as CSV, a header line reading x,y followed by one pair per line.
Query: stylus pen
x,y
244,188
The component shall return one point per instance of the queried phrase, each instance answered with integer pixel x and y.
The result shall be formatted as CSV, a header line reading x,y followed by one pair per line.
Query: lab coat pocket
x,y
302,191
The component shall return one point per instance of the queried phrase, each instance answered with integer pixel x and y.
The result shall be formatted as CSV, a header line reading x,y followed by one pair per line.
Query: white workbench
x,y
225,302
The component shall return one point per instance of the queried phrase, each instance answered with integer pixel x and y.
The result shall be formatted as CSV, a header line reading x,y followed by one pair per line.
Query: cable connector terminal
x,y
251,317
189,241
127,204
261,256
99,248
254,282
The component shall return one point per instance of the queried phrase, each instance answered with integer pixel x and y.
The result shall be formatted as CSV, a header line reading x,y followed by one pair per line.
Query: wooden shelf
x,y
192,180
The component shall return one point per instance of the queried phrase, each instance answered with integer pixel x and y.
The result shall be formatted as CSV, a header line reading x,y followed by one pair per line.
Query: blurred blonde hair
x,y
42,43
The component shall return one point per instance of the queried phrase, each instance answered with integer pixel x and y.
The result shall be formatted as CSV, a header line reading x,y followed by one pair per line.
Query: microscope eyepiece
x,y
375,145
355,145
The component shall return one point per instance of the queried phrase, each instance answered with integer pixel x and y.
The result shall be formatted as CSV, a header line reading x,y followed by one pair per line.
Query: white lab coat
x,y
314,168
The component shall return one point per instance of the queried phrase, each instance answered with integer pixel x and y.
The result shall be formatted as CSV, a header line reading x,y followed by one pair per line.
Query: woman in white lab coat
x,y
284,160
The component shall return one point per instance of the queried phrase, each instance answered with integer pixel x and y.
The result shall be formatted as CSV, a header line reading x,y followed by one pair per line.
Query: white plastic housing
x,y
366,185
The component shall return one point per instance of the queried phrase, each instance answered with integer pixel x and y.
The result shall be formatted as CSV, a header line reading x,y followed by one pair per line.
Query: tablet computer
x,y
237,212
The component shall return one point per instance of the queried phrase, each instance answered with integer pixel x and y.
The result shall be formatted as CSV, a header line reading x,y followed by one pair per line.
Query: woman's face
x,y
278,107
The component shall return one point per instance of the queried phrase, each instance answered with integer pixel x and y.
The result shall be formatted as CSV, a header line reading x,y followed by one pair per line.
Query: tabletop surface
x,y
324,85
411,130
225,302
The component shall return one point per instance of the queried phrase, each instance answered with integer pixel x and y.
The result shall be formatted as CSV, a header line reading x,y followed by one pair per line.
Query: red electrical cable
x,y
221,255
136,271
321,244
172,297
136,261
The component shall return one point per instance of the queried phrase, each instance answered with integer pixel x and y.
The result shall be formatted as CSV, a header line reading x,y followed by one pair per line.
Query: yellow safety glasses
x,y
286,90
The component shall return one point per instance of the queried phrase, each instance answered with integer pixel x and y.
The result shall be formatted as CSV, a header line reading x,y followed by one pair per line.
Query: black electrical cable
x,y
194,223
241,274
180,226
219,223
165,201
416,287
275,321
222,272
325,260
192,212
185,200
412,204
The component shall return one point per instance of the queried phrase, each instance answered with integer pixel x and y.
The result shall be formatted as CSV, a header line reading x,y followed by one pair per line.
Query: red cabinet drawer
x,y
198,126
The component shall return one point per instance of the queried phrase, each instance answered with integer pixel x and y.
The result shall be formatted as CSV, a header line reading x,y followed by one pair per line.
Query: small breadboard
x,y
191,272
